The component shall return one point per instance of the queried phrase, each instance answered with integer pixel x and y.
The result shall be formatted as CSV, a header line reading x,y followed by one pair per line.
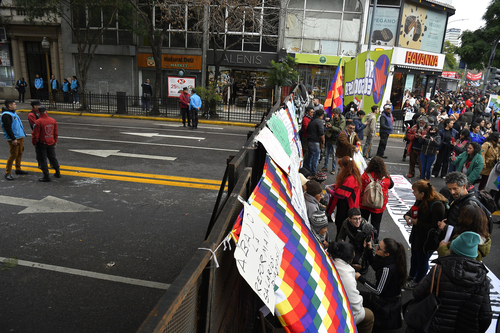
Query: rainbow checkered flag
x,y
309,293
335,97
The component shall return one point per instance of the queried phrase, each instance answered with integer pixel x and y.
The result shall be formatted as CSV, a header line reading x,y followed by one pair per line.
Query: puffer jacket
x,y
475,167
430,147
490,156
464,291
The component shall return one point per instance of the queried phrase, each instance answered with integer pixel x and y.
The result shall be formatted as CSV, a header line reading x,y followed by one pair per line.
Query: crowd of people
x,y
70,88
451,137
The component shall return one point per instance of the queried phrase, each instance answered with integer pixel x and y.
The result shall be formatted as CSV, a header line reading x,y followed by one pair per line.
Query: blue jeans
x,y
330,149
426,161
312,156
419,264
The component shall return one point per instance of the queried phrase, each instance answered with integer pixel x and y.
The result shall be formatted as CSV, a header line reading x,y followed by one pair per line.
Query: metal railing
x,y
206,298
120,103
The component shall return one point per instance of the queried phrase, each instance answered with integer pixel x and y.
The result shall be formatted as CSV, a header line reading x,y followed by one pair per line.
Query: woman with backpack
x,y
345,193
428,210
375,186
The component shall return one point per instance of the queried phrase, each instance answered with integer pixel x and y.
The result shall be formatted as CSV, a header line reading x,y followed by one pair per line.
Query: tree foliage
x,y
477,45
283,73
450,62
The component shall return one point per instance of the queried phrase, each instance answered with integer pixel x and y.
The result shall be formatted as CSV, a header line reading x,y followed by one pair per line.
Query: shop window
x,y
194,41
350,27
195,19
296,4
334,5
310,46
322,25
269,44
349,48
251,44
387,2
177,39
292,44
330,47
294,25
233,42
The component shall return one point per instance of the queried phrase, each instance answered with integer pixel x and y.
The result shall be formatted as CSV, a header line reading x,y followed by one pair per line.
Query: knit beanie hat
x,y
318,221
320,176
466,244
313,188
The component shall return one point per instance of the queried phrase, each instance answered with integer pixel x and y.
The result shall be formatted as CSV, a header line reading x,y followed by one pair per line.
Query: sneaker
x,y
324,169
410,285
432,176
332,172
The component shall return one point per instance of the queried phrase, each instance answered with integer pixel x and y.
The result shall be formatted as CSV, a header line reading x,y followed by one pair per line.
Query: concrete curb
x,y
201,121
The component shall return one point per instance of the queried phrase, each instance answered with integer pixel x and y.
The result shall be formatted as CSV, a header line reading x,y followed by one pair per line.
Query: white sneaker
x,y
432,176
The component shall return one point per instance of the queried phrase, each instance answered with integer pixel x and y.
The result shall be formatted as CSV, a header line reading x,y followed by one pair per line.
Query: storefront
x,y
414,71
243,75
177,71
317,72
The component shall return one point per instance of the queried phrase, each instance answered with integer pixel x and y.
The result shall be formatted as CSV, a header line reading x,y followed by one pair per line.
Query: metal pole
x,y
48,75
492,56
371,25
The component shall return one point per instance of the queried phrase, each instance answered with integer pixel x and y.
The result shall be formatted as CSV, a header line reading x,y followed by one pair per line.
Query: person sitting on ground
x,y
342,254
389,264
313,195
319,227
464,289
472,218
356,230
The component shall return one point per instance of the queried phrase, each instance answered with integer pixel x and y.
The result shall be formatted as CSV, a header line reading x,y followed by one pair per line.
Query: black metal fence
x,y
121,103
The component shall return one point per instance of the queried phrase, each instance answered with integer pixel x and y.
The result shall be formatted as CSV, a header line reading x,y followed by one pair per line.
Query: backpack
x,y
373,196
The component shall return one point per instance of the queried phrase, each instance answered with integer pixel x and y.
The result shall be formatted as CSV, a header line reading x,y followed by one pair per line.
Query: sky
x,y
468,15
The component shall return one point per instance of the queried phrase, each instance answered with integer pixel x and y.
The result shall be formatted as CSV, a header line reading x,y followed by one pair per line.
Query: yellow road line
x,y
130,177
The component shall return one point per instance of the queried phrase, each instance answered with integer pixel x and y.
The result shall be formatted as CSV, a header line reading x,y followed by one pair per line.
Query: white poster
x,y
274,149
258,256
176,84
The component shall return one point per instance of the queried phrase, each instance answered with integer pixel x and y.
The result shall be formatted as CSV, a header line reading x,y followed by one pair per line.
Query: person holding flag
x,y
335,96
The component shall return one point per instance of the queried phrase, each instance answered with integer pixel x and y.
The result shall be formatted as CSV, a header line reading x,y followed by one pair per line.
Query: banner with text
x,y
365,78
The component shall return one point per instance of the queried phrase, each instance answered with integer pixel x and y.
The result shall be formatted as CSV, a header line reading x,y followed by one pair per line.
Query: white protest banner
x,y
274,149
258,256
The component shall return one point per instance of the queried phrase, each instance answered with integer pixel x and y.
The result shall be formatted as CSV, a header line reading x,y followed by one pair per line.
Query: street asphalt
x,y
131,218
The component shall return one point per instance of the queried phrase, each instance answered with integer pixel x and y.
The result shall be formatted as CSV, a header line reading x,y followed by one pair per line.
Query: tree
x,y
88,20
477,45
155,18
450,62
232,21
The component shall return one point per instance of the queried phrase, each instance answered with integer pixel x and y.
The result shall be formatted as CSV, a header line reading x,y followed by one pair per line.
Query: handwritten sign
x,y
281,133
274,149
258,256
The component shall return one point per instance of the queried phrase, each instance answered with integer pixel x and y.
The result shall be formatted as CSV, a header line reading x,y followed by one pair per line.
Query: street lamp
x,y
46,47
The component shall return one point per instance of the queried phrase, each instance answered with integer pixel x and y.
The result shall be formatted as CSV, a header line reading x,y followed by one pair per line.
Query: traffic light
x,y
494,76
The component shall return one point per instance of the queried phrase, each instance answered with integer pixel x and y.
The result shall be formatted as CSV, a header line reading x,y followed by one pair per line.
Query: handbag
x,y
419,315
359,161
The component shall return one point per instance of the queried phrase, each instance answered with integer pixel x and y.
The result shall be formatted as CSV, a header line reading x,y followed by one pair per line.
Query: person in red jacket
x,y
33,115
184,102
44,138
303,131
345,193
378,172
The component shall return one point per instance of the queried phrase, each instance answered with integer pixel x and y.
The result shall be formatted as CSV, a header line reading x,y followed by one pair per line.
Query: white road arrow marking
x,y
107,153
48,204
150,135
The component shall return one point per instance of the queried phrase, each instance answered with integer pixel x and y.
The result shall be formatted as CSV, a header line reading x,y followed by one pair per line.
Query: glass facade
x,y
329,27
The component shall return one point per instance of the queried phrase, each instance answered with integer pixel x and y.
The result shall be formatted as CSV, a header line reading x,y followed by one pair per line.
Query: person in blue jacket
x,y
75,87
54,84
194,108
475,135
65,89
13,132
359,126
39,87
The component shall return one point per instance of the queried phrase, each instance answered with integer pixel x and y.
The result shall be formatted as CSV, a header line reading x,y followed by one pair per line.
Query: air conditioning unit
x,y
3,35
